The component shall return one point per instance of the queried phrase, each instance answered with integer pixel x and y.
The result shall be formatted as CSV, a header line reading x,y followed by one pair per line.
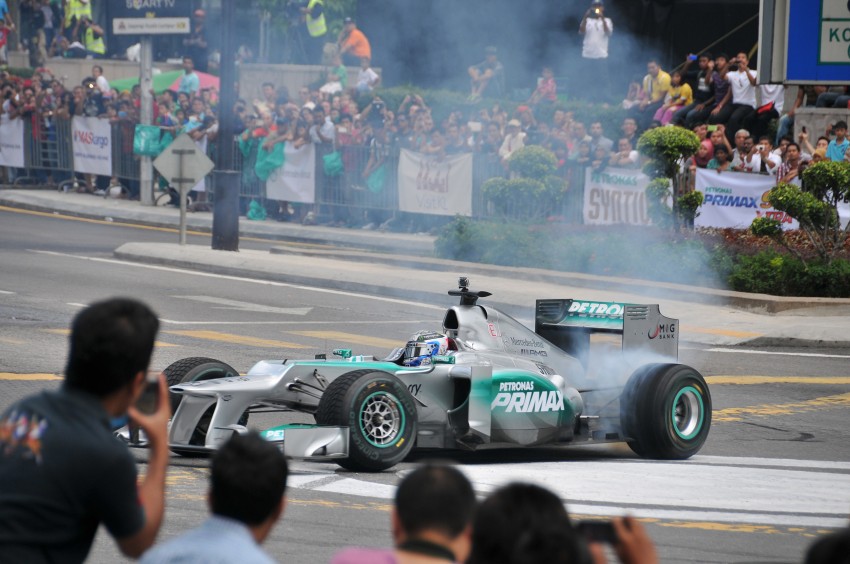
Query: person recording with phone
x,y
596,30
62,469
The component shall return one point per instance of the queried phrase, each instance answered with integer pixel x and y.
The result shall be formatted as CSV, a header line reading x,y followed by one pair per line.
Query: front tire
x,y
379,413
197,369
665,411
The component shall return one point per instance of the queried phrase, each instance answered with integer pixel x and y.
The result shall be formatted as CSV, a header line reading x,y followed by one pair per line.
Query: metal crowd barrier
x,y
48,151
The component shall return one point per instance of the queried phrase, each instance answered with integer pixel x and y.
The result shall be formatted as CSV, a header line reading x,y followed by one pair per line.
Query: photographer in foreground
x,y
63,472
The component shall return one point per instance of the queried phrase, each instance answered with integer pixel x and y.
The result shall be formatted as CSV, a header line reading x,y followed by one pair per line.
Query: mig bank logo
x,y
662,331
90,138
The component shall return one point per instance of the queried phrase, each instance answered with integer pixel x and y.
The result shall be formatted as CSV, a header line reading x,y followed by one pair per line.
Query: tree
x,y
284,17
666,148
814,206
533,191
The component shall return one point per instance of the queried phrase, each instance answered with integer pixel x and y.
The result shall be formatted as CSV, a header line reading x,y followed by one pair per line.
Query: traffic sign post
x,y
146,19
804,41
183,164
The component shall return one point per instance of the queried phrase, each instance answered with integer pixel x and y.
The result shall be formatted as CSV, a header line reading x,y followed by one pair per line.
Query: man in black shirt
x,y
62,470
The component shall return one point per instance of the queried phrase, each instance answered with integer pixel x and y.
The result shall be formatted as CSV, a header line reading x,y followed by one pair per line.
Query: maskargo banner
x,y
615,196
735,199
295,181
11,142
435,185
91,140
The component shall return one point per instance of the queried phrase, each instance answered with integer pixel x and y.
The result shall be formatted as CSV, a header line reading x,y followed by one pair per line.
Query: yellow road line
x,y
724,332
238,339
28,377
148,227
68,332
11,341
758,380
343,338
767,410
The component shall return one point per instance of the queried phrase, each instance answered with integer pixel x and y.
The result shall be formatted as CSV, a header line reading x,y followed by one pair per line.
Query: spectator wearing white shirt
x,y
625,157
743,85
100,81
367,78
514,140
772,98
596,29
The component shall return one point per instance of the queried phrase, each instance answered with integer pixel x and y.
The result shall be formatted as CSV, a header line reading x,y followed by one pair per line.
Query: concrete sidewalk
x,y
402,266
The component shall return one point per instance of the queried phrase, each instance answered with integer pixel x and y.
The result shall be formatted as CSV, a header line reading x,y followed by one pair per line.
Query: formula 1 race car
x,y
484,381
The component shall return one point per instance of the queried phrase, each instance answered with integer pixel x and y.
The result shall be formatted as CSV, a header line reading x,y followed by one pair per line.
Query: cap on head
x,y
514,123
348,20
490,50
596,3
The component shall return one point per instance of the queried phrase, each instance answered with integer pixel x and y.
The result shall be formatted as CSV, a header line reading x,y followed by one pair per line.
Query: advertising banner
x,y
615,196
295,181
435,185
91,140
735,199
11,142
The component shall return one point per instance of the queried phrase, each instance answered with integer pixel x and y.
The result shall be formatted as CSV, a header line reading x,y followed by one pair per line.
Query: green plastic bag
x,y
146,140
377,179
164,141
267,161
333,164
256,211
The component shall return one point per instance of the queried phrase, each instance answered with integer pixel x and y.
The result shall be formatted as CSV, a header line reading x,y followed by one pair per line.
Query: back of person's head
x,y
508,516
552,544
248,479
833,548
111,342
435,497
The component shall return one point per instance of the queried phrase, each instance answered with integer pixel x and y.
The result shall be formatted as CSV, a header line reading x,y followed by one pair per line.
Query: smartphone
x,y
148,401
711,128
692,57
804,129
597,531
597,11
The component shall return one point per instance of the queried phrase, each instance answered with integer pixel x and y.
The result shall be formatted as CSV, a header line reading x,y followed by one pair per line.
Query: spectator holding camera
x,y
595,29
94,39
63,471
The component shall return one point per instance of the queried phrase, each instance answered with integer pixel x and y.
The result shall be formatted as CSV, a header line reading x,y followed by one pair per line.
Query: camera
x,y
597,531
759,147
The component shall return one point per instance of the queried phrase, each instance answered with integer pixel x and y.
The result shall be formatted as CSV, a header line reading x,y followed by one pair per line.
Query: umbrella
x,y
165,81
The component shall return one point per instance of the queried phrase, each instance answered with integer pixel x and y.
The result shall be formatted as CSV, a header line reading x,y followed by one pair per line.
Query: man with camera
x,y
596,29
93,38
63,472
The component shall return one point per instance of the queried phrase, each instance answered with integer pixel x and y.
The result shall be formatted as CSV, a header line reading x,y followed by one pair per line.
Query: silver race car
x,y
589,372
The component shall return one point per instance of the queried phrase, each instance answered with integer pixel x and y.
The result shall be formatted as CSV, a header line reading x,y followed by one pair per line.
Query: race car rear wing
x,y
569,324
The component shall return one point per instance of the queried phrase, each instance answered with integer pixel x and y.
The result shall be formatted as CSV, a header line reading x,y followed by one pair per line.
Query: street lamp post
x,y
225,229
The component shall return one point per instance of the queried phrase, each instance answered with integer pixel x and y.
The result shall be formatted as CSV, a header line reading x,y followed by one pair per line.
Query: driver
x,y
424,345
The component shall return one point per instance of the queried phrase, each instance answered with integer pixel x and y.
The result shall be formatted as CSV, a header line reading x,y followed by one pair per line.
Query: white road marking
x,y
6,292
304,323
242,279
224,303
761,491
747,351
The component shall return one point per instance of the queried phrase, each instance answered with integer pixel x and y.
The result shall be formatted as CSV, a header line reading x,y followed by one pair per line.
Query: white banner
x,y
295,181
435,185
11,142
735,199
91,139
615,196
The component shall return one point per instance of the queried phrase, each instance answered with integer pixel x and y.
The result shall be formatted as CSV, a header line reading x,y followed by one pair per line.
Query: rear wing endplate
x,y
568,323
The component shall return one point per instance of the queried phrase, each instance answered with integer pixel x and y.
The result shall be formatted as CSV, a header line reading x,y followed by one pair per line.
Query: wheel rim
x,y
381,419
688,412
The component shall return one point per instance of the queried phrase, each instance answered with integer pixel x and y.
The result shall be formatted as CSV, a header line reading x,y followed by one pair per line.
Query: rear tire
x,y
379,413
197,369
665,411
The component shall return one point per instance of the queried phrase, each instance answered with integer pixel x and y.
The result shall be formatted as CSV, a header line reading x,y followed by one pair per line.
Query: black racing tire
x,y
665,411
196,369
380,414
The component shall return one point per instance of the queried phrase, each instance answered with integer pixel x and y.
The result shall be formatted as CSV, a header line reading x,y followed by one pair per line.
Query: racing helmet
x,y
423,345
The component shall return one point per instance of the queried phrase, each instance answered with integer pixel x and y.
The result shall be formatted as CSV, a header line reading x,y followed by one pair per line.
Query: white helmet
x,y
423,345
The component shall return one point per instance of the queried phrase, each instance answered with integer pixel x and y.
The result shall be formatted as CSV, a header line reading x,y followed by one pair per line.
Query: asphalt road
x,y
774,473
